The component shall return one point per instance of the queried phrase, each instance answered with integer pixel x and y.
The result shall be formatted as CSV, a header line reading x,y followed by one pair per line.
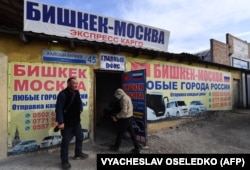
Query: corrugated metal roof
x,y
11,15
205,55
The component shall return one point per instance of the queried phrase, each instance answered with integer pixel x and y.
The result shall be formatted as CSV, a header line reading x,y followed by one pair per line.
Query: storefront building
x,y
36,62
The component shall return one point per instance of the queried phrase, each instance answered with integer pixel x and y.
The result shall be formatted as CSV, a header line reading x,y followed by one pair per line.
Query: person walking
x,y
124,121
68,110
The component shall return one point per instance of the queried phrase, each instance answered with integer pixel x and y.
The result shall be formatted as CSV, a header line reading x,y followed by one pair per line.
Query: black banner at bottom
x,y
164,161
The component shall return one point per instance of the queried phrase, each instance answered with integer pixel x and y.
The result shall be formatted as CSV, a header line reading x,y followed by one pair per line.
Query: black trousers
x,y
125,125
67,134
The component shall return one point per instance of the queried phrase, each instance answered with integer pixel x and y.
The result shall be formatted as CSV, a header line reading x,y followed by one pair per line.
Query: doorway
x,y
236,94
106,82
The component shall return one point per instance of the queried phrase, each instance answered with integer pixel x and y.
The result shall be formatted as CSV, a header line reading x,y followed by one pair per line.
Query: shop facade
x,y
164,86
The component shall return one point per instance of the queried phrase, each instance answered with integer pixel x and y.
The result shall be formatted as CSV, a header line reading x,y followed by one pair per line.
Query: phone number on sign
x,y
40,121
40,126
43,120
43,114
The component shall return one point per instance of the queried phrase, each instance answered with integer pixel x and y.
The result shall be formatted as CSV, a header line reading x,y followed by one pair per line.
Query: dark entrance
x,y
106,82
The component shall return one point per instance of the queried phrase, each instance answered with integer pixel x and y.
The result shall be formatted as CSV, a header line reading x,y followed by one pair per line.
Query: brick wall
x,y
220,52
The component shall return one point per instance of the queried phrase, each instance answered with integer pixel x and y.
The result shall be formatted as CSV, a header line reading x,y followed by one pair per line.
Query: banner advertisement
x,y
133,83
63,22
175,90
33,89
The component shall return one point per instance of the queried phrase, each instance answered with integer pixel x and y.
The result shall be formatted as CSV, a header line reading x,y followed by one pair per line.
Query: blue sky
x,y
191,23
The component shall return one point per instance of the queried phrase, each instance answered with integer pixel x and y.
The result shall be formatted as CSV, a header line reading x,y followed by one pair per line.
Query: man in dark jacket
x,y
68,111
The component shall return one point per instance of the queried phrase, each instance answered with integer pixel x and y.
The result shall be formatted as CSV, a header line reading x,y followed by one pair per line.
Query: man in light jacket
x,y
124,121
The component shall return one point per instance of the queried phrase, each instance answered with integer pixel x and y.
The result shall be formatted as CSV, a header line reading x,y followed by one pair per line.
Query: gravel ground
x,y
220,132
217,132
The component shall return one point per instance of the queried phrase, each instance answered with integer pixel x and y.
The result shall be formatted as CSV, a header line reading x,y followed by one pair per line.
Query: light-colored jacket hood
x,y
125,104
119,93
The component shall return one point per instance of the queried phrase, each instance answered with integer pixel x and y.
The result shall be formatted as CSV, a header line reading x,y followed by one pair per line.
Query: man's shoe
x,y
113,148
135,151
66,165
81,156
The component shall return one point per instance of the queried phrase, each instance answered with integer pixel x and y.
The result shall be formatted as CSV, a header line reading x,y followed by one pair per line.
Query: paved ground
x,y
221,132
47,160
